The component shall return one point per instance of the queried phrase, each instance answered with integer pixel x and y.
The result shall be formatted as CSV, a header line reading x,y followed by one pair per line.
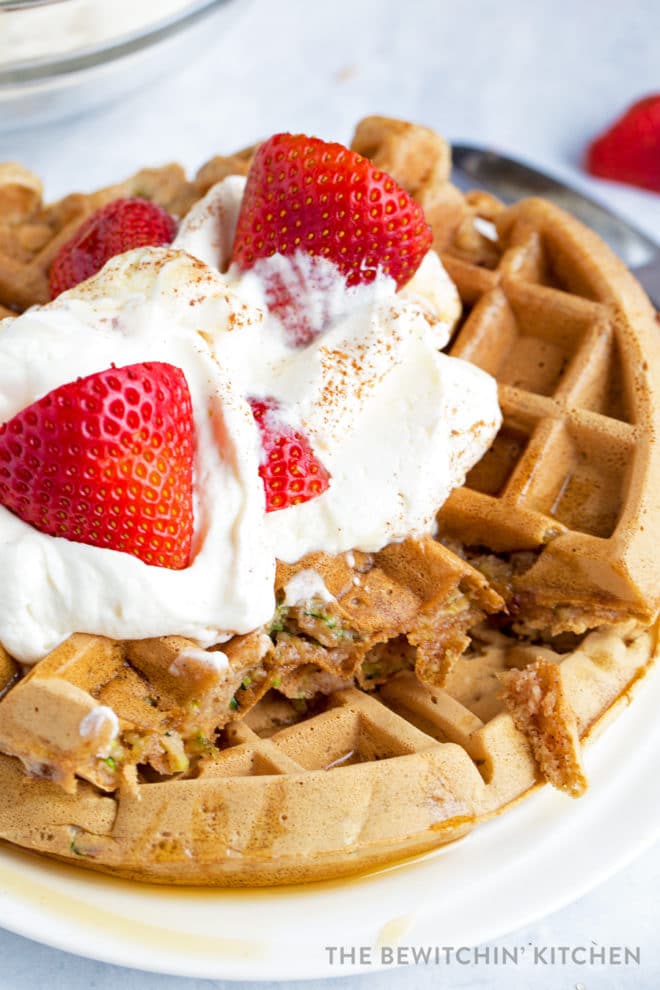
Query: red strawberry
x,y
629,151
115,228
290,471
107,460
302,292
305,195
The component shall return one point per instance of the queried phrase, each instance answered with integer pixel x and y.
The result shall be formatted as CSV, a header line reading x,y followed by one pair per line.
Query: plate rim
x,y
628,836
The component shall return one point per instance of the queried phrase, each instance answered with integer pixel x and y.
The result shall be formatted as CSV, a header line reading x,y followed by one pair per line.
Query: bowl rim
x,y
46,68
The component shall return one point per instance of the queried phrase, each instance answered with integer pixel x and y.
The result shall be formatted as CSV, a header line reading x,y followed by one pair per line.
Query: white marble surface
x,y
533,78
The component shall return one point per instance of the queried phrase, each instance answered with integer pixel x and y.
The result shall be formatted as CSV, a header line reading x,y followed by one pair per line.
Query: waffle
x,y
294,795
408,607
344,736
563,513
569,479
31,233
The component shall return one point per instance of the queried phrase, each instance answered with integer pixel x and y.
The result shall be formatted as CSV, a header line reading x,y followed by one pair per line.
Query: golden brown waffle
x,y
575,347
549,311
409,606
294,796
32,233
561,515
168,696
573,341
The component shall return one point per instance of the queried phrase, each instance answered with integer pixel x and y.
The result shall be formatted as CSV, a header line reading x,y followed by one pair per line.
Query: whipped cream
x,y
97,719
396,423
304,586
212,661
100,726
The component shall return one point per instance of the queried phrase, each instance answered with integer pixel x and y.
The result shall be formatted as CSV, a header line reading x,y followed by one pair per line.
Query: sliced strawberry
x,y
290,471
107,460
114,228
302,292
629,151
306,196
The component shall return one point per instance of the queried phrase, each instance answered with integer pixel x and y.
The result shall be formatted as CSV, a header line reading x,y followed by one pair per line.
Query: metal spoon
x,y
510,180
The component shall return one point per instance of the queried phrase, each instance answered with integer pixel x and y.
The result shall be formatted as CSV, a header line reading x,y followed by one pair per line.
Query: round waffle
x,y
367,779
562,516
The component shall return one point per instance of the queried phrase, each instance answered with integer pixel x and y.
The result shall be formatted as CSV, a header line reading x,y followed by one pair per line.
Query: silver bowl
x,y
47,74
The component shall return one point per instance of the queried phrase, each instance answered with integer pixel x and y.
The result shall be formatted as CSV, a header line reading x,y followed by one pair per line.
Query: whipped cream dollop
x,y
396,423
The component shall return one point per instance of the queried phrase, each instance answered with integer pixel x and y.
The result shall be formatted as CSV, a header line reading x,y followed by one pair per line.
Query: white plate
x,y
464,894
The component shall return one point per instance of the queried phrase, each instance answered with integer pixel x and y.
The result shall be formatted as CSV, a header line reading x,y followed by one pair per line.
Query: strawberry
x,y
302,292
107,460
305,196
290,471
629,151
113,229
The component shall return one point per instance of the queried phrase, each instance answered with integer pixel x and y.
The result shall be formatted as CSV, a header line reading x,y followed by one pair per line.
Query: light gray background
x,y
536,78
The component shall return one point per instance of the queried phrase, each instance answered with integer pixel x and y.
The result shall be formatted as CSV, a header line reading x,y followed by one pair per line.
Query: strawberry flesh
x,y
300,291
107,460
629,151
116,227
290,470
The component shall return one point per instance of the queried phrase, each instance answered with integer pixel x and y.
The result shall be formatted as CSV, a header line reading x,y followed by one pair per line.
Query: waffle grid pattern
x,y
31,232
579,415
555,357
292,794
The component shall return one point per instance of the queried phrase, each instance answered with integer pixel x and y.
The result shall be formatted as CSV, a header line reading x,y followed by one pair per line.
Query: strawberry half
x,y
114,228
107,460
290,471
629,151
304,195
